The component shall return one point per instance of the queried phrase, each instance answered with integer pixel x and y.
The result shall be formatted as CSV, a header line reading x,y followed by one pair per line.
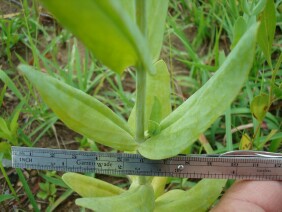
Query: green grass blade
x,y
5,197
6,79
229,144
62,198
2,94
7,180
55,181
29,194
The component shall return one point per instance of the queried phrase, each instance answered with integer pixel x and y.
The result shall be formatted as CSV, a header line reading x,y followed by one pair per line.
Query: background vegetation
x,y
198,36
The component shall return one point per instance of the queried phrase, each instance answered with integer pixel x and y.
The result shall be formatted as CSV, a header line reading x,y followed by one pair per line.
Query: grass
x,y
198,36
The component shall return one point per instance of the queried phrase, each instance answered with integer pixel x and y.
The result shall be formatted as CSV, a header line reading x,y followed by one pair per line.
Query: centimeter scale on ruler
x,y
256,165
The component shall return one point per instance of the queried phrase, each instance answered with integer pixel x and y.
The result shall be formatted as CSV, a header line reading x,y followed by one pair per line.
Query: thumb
x,y
252,196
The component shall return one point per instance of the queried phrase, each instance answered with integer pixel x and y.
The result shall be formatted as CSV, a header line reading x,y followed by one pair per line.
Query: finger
x,y
252,196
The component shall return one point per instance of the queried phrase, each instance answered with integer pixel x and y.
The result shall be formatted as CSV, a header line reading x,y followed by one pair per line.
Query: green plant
x,y
9,128
47,190
130,35
9,135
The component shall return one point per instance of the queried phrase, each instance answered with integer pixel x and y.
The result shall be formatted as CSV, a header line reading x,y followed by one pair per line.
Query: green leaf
x,y
81,112
170,196
63,197
267,29
4,130
139,199
14,122
267,138
3,126
221,57
5,136
277,91
183,126
5,149
52,189
27,190
158,184
156,16
129,7
245,7
2,94
5,197
155,118
42,195
106,29
156,12
53,180
157,86
156,112
5,78
239,29
89,186
259,106
198,198
154,128
259,7
44,186
246,142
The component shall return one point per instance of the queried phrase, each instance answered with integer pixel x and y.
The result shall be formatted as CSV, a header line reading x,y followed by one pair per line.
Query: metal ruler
x,y
255,165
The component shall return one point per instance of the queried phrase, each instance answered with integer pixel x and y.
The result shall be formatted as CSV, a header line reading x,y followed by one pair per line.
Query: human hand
x,y
255,196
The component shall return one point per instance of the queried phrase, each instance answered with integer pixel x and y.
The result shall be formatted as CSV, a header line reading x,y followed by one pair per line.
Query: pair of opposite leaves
x,y
178,130
101,196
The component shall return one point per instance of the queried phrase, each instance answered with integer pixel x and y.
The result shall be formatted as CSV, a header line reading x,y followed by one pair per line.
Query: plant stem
x,y
141,82
141,75
228,132
273,77
205,143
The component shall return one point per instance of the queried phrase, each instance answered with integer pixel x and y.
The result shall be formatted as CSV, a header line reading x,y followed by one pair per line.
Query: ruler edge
x,y
138,156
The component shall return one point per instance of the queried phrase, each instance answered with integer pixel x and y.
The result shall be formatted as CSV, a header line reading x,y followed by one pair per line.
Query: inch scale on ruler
x,y
232,165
